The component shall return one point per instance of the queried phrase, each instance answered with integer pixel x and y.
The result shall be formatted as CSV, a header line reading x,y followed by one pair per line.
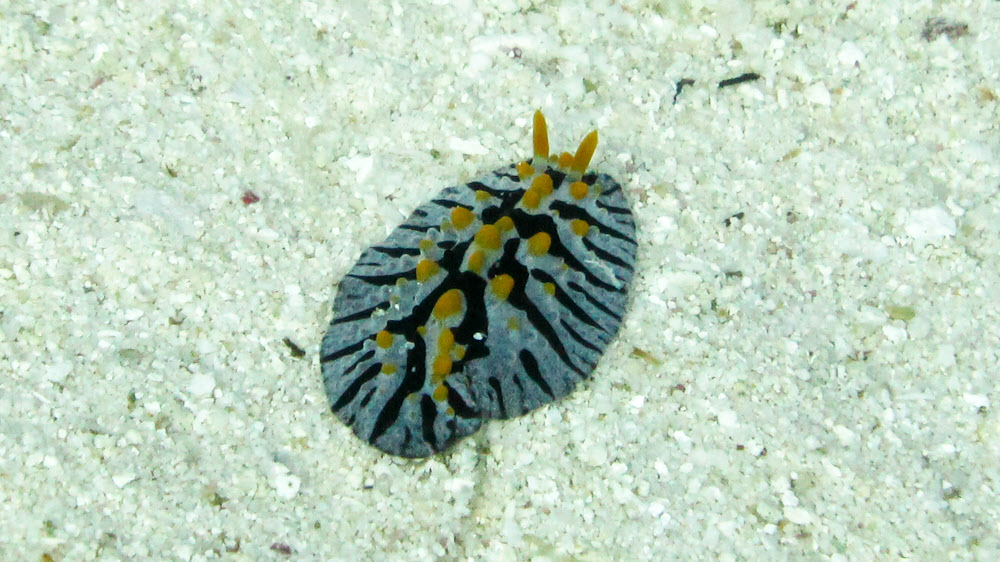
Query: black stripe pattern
x,y
492,299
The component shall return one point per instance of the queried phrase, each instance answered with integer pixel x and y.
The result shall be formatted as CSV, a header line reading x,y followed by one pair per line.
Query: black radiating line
x,y
397,251
350,369
361,314
385,278
407,437
530,365
542,325
462,409
351,391
495,384
368,397
512,175
528,225
333,355
606,255
520,389
569,212
480,186
418,227
428,413
557,177
518,298
413,381
615,187
578,337
593,301
613,209
564,299
449,204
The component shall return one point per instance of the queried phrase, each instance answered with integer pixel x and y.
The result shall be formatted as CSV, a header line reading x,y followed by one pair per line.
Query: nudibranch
x,y
492,299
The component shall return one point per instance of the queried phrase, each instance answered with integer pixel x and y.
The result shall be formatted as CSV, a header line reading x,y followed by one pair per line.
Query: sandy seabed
x,y
807,369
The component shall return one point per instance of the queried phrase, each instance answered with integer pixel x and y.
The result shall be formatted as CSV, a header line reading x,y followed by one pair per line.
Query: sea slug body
x,y
492,299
